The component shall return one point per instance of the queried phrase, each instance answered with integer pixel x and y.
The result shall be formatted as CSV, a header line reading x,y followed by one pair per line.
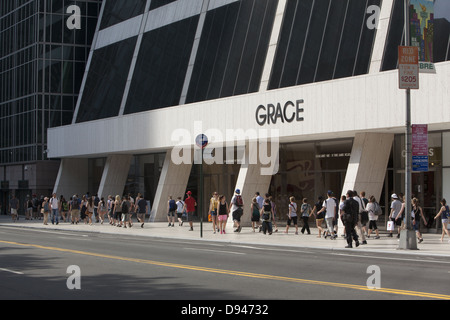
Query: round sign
x,y
201,141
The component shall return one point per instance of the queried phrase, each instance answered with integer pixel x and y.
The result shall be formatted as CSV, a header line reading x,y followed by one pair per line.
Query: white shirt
x,y
330,206
54,203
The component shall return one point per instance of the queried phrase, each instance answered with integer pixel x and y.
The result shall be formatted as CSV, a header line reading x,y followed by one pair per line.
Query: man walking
x,y
350,218
54,203
237,210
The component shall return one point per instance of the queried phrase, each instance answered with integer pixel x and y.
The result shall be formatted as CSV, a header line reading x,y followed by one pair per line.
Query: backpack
x,y
238,201
377,209
124,207
172,205
75,204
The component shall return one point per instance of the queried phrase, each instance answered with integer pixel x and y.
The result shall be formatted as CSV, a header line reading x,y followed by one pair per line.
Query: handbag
x,y
390,226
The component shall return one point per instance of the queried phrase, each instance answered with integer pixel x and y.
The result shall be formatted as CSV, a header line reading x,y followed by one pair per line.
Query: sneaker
x,y
377,237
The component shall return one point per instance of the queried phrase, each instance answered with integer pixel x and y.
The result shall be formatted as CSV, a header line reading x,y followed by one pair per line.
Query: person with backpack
x,y
266,217
236,209
180,211
171,209
126,207
374,210
75,209
445,213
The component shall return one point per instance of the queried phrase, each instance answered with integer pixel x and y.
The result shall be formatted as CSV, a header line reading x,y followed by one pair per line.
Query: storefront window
x,y
309,170
426,186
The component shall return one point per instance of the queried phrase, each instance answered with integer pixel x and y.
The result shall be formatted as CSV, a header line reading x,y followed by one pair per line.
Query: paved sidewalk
x,y
430,246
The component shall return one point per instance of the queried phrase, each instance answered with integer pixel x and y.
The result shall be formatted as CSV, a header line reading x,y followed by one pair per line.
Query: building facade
x,y
295,97
42,63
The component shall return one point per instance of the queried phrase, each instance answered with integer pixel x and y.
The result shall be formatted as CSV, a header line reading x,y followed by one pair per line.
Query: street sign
x,y
201,141
408,67
420,148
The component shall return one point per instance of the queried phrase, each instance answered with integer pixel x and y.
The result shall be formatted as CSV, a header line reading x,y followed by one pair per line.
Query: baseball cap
x,y
394,196
238,191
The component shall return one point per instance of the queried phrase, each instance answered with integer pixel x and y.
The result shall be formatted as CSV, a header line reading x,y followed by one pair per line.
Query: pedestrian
x,y
83,206
117,212
266,217
96,211
126,207
64,208
416,214
306,211
45,210
14,208
256,216
329,208
373,217
189,205
274,212
102,209
75,209
292,215
171,210
363,217
341,211
395,215
444,213
55,206
90,209
29,208
35,206
223,213
237,209
110,205
320,215
141,209
180,211
350,219
213,207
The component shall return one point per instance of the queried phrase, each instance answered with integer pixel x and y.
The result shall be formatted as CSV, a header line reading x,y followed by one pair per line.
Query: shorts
x,y
397,222
444,221
125,217
179,215
75,214
13,211
237,214
292,219
319,221
223,217
171,213
190,215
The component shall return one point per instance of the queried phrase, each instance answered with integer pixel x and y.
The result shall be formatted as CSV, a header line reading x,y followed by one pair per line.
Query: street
x,y
38,265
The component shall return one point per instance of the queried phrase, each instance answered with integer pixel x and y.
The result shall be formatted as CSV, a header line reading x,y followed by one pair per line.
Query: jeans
x,y
55,216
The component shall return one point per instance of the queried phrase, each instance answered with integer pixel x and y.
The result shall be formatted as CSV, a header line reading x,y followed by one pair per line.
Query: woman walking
x,y
45,210
416,213
292,215
255,213
306,211
371,208
444,212
223,213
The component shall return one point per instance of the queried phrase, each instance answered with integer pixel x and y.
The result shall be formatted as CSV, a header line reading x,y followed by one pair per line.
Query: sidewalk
x,y
430,246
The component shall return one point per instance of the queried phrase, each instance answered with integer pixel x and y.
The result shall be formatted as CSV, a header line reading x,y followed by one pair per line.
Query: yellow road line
x,y
240,273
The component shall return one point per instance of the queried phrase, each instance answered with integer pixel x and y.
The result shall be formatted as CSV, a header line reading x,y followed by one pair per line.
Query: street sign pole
x,y
201,141
408,236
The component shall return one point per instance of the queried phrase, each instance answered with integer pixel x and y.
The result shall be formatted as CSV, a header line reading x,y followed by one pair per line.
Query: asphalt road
x,y
36,265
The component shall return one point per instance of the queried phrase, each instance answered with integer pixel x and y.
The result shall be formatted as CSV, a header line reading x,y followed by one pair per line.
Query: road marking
x,y
11,271
215,251
387,258
240,273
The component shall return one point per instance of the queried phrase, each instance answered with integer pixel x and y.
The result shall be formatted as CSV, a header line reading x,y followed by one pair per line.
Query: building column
x,y
446,166
114,175
172,182
368,163
252,178
72,177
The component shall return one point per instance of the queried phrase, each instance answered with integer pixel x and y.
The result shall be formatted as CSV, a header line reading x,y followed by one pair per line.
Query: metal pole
x,y
408,236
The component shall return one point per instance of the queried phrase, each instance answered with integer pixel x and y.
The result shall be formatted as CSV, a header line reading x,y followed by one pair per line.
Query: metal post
x,y
408,236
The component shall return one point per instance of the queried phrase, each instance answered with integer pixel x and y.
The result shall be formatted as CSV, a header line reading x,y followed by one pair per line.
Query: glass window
x,y
159,3
106,81
232,50
118,10
161,66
